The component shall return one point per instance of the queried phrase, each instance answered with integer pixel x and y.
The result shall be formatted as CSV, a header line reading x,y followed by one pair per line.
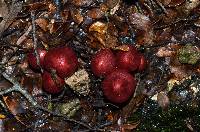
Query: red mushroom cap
x,y
52,83
118,86
32,60
103,62
63,60
128,60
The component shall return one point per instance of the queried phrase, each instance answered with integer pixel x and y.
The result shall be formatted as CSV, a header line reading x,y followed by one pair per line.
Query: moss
x,y
188,54
179,113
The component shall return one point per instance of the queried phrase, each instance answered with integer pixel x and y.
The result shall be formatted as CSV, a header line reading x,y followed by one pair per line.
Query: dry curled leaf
x,y
37,6
180,72
14,106
165,52
122,48
3,9
42,23
95,13
8,13
103,35
99,27
165,2
76,16
115,5
163,100
174,3
168,51
140,21
129,127
134,103
81,2
4,84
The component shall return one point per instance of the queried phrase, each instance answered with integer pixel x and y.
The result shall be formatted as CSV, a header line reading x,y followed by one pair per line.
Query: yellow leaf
x,y
2,116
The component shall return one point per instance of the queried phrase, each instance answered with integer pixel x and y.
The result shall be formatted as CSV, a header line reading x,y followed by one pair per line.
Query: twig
x,y
24,36
175,22
64,116
161,6
17,88
35,39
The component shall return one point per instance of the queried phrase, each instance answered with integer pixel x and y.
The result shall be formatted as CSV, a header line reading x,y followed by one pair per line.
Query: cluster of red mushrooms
x,y
117,68
58,63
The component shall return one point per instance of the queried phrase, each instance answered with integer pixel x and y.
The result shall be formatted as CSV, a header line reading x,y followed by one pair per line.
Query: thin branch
x,y
64,116
17,88
161,6
35,39
24,36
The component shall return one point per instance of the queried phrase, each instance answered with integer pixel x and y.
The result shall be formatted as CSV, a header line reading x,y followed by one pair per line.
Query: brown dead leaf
x,y
103,35
145,34
27,45
180,72
52,8
8,13
165,52
134,103
129,127
76,15
81,2
95,13
163,35
168,51
122,48
111,41
112,3
42,23
37,6
65,14
24,116
14,107
170,16
165,2
198,69
140,21
99,27
145,37
163,100
174,3
31,83
53,26
4,84
3,9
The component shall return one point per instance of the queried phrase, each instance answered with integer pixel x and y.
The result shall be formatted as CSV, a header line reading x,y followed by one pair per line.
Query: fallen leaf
x,y
163,100
122,48
2,116
95,13
129,127
42,23
8,13
103,35
99,27
14,107
132,106
76,15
